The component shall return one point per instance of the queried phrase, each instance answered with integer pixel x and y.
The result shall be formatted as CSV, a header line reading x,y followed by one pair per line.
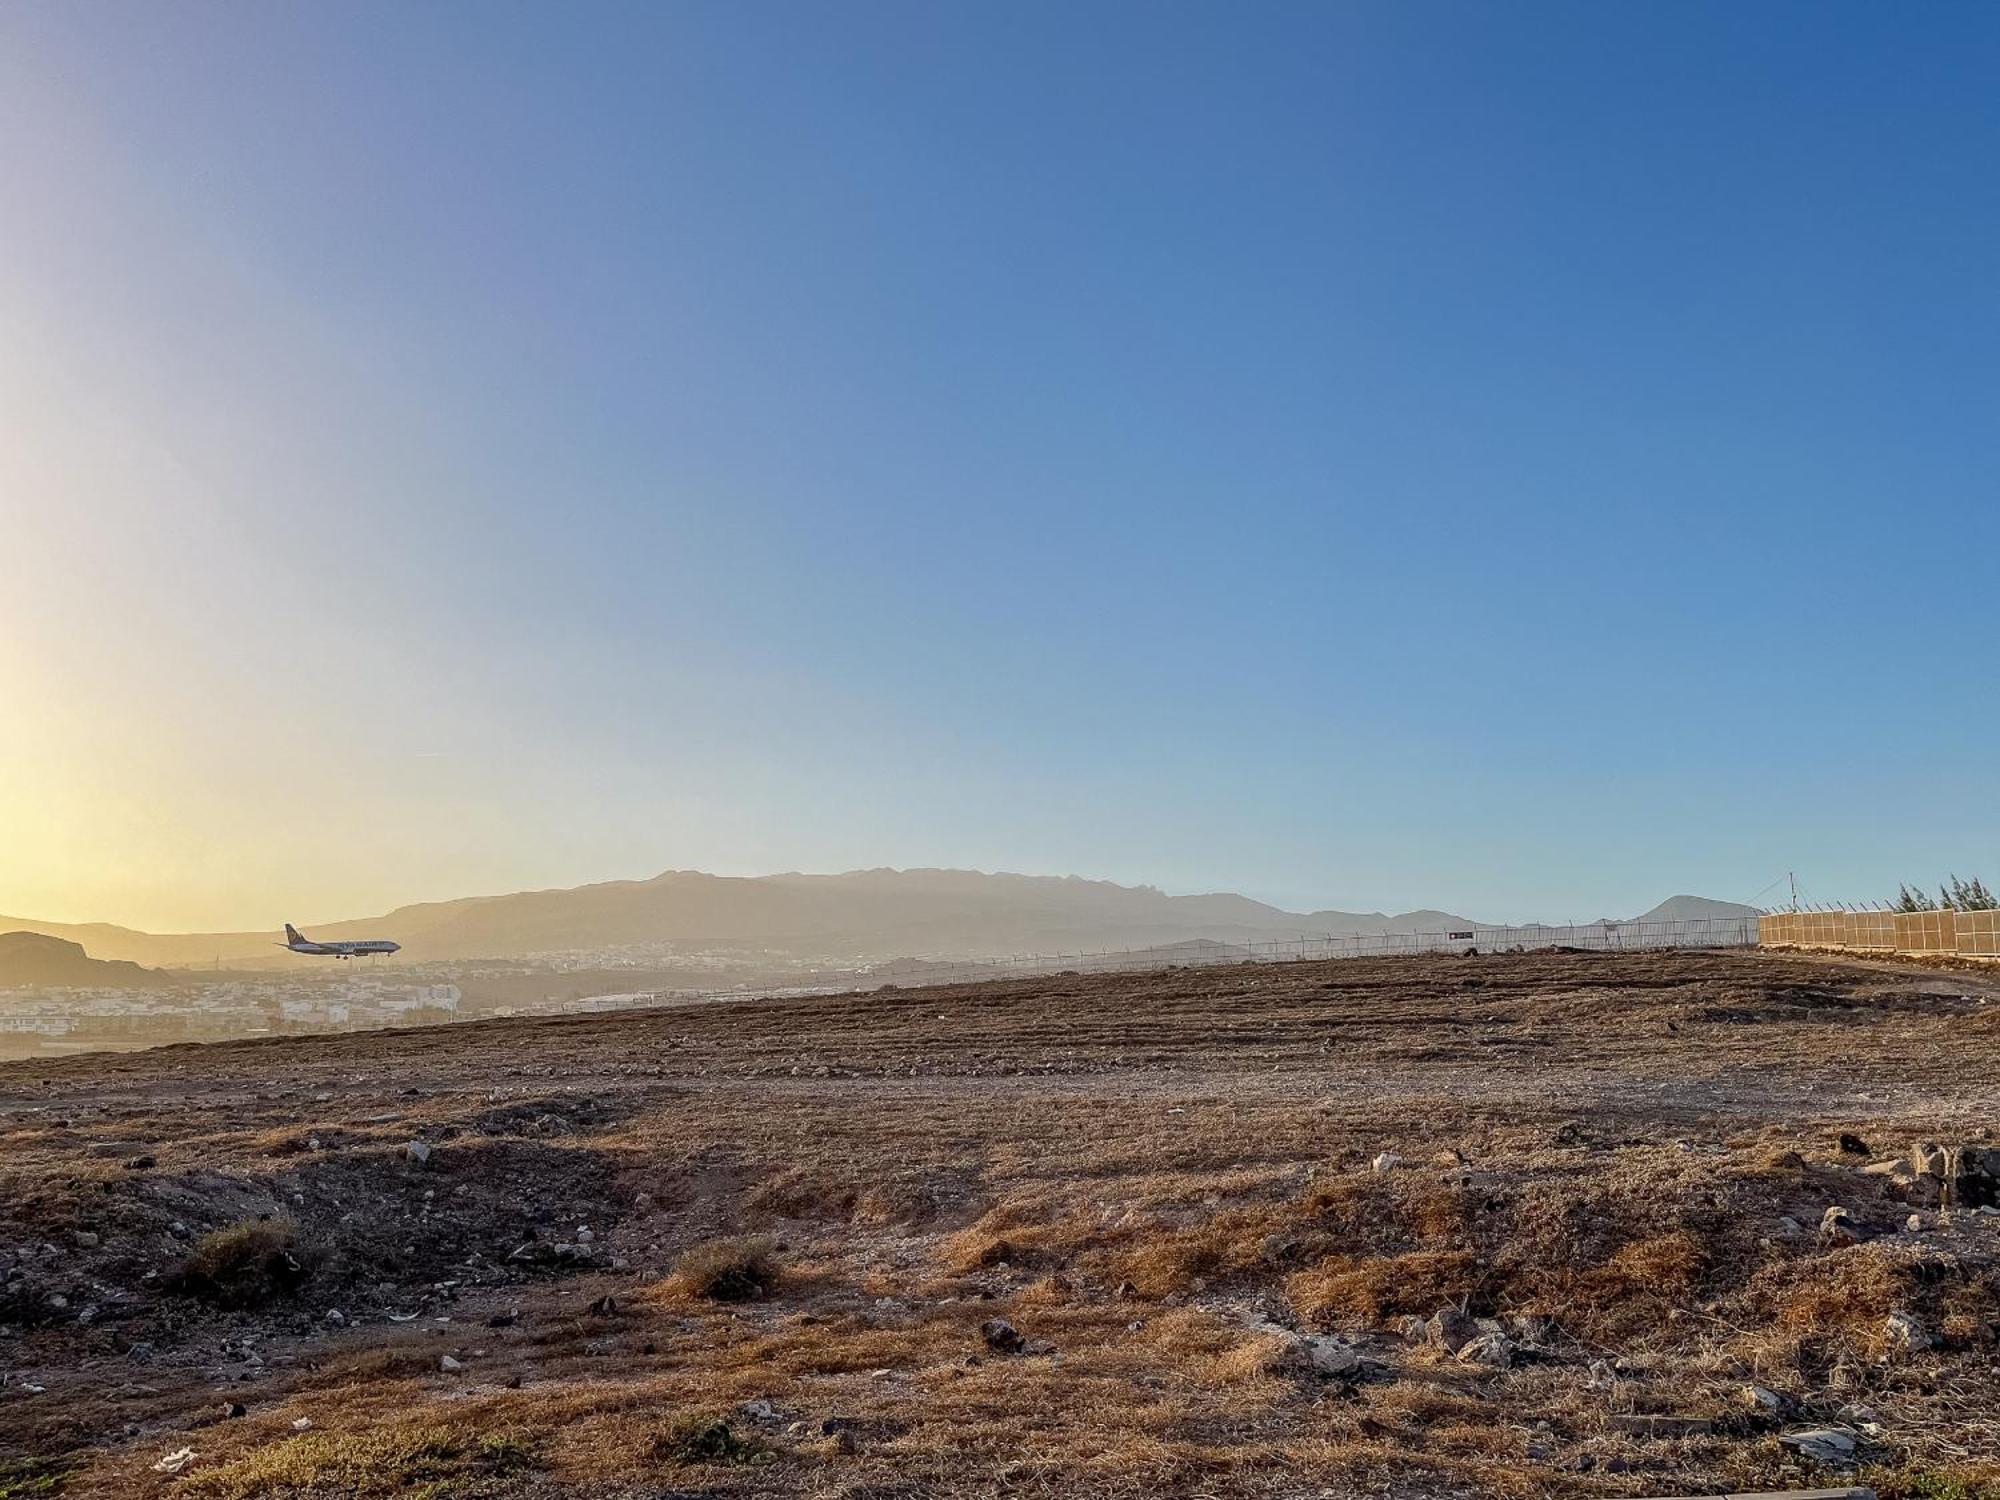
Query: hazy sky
x,y
1528,459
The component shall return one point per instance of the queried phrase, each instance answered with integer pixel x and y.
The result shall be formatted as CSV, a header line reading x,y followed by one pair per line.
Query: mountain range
x,y
35,958
862,914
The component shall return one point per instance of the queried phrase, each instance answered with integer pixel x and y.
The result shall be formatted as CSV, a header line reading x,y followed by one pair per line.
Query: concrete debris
x,y
1826,1446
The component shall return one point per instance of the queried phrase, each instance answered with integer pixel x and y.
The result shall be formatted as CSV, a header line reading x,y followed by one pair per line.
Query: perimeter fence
x,y
1970,934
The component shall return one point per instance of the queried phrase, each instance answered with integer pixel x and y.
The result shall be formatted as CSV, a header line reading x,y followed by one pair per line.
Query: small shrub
x,y
29,1479
703,1440
738,1270
244,1265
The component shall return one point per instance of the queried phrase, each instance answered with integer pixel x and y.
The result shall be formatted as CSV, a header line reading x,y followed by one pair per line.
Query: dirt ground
x,y
1116,1235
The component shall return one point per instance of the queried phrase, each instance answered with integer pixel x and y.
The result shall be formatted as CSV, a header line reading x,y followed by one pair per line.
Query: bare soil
x,y
1163,1184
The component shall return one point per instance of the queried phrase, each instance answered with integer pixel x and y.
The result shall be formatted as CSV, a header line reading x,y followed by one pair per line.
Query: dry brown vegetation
x,y
760,1249
731,1270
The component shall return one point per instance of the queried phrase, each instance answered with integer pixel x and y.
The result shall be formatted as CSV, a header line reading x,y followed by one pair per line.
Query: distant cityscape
x,y
51,1020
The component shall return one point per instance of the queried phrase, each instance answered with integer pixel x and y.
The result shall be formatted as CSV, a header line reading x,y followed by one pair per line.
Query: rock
x,y
1914,1224
1790,1227
1492,1349
1887,1168
1927,1159
1281,1250
336,1318
449,1365
418,1152
758,1411
141,1164
1001,1336
1853,1145
1450,1330
1823,1445
1837,1228
605,1307
1903,1335
85,1240
234,1409
1387,1161
1763,1398
1330,1357
1036,1348
174,1462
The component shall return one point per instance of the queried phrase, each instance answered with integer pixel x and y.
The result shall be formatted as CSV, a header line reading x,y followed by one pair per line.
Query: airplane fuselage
x,y
298,942
344,950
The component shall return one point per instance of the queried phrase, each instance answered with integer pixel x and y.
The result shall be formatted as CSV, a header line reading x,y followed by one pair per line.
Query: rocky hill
x,y
29,959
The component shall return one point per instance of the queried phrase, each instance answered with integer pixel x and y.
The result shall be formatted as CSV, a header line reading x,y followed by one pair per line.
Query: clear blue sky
x,y
1525,459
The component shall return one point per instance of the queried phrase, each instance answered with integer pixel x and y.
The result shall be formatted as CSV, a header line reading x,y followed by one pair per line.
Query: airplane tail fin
x,y
292,934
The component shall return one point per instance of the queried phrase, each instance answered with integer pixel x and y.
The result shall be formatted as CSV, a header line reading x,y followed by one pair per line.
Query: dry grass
x,y
244,1265
434,1460
1138,1173
729,1270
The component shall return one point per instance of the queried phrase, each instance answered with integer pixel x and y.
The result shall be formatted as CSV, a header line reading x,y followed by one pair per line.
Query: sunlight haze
x,y
1357,456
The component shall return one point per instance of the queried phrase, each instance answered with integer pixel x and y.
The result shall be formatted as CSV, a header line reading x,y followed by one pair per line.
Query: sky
x,y
1527,460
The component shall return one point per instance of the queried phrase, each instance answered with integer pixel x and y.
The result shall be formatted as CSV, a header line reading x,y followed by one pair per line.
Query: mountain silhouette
x,y
35,958
862,914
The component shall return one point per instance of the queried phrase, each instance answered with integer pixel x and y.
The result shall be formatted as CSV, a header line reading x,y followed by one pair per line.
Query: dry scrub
x,y
1113,1236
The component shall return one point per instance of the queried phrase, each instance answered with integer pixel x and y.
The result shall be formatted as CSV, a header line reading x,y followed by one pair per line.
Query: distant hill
x,y
34,958
1693,908
863,915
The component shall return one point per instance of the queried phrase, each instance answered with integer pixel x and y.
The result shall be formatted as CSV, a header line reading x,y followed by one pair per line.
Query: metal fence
x,y
1971,934
1699,932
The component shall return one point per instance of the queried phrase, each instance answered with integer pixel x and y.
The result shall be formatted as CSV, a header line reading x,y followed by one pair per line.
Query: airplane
x,y
298,942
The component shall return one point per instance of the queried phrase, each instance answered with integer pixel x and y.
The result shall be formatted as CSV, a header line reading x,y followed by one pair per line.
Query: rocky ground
x,y
1529,1224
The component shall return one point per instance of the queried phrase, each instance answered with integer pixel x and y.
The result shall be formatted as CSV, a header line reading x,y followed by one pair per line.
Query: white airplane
x,y
298,942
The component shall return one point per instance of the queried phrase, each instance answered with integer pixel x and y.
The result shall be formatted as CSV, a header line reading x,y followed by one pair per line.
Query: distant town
x,y
51,1020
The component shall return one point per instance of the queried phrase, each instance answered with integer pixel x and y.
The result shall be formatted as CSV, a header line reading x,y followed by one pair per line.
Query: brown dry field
x,y
1146,1172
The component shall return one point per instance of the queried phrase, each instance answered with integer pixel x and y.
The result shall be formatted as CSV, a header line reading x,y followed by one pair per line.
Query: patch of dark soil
x,y
366,1229
552,1115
